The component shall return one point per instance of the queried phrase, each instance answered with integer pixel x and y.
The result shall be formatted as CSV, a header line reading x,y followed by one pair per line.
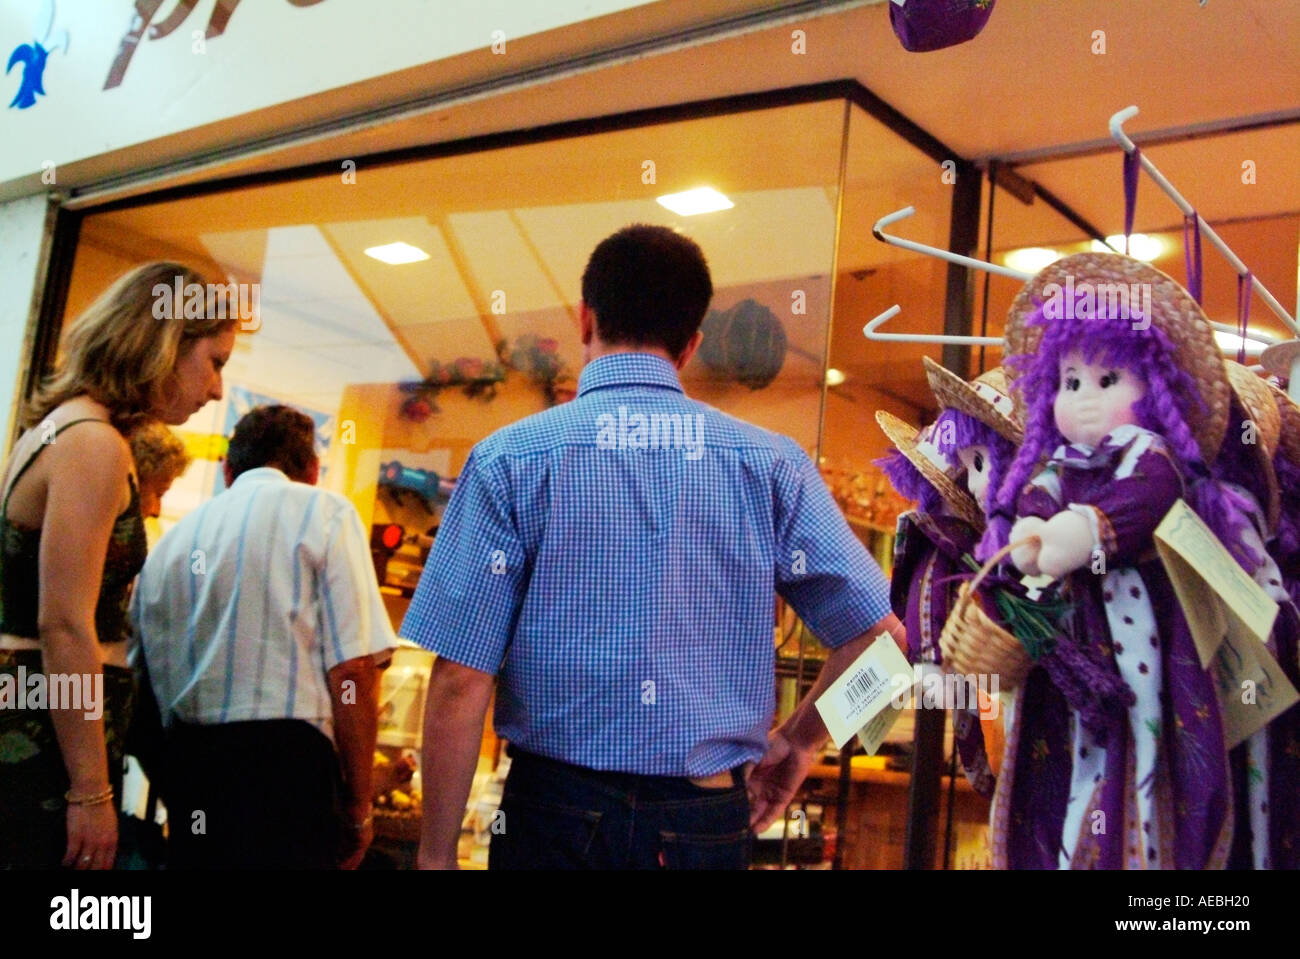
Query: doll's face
x,y
1095,399
976,461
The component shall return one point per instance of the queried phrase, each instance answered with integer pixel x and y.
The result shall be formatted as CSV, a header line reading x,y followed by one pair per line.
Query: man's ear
x,y
313,472
586,322
228,473
691,347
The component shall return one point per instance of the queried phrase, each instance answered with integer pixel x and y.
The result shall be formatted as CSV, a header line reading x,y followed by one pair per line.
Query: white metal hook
x,y
869,331
1117,122
879,233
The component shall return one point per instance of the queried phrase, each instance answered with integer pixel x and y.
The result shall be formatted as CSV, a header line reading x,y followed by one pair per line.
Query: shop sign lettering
x,y
142,20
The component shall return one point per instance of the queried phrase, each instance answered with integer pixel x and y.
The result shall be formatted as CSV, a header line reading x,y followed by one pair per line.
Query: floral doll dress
x,y
928,567
1133,781
1268,763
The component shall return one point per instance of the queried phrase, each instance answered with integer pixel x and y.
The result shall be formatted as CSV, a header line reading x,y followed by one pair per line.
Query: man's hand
x,y
358,834
354,697
775,779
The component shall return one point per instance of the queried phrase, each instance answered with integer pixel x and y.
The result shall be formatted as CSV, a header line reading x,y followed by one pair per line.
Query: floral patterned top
x,y
20,550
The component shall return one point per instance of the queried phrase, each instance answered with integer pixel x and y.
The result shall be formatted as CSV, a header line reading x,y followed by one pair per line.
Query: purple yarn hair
x,y
909,483
967,431
1171,396
1288,522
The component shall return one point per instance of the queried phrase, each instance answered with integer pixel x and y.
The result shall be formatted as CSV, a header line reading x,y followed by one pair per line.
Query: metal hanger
x,y
1283,356
872,330
1122,138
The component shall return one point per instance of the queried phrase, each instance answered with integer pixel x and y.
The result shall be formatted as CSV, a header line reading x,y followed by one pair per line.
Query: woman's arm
x,y
86,489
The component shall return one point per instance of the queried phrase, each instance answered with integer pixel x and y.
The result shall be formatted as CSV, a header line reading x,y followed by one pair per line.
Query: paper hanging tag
x,y
873,733
1253,690
1233,605
863,690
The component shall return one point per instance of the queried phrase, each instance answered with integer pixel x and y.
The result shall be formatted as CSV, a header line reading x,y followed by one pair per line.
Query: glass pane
x,y
884,173
487,315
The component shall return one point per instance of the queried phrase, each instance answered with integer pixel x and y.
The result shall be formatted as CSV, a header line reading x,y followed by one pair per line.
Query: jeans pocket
x,y
543,835
693,851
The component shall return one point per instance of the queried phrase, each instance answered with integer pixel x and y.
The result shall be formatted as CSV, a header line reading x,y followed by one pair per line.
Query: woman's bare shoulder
x,y
93,450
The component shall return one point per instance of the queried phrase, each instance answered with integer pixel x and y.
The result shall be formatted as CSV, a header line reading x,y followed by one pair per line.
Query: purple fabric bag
x,y
934,24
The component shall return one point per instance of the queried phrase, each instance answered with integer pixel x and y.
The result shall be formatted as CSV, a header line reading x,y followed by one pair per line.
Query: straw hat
x,y
923,454
1254,396
987,397
1289,413
1277,359
1174,312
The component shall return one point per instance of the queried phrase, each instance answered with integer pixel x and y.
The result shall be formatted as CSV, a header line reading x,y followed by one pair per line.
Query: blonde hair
x,y
123,348
160,455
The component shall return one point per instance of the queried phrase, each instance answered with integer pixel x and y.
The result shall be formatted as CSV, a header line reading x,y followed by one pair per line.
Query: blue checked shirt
x,y
613,562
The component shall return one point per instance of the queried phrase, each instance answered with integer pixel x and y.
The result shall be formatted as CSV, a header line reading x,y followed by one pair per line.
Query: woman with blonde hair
x,y
71,542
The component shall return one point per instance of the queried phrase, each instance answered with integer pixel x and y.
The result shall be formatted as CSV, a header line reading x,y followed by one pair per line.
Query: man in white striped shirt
x,y
261,625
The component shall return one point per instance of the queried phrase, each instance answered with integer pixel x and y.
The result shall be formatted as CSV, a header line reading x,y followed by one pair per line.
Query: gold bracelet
x,y
95,799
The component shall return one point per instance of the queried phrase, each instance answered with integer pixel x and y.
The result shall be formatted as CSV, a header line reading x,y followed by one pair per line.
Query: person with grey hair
x,y
261,626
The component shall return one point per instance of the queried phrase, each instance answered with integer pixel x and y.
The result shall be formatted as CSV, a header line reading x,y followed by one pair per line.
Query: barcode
x,y
862,687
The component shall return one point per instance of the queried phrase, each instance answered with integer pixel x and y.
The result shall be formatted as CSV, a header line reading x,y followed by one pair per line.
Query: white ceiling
x,y
1029,87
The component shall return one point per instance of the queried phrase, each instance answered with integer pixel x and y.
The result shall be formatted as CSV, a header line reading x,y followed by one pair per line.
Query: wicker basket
x,y
972,643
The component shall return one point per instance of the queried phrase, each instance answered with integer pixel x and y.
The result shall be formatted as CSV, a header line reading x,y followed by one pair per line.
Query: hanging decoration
x,y
746,343
539,358
923,25
536,357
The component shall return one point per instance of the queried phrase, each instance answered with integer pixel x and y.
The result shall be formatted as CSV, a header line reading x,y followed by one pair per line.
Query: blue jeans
x,y
560,816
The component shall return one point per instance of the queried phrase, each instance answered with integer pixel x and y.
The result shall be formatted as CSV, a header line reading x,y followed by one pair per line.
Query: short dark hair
x,y
648,286
278,436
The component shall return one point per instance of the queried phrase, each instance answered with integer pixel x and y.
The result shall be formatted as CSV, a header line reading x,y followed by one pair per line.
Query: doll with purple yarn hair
x,y
1115,756
933,539
1266,767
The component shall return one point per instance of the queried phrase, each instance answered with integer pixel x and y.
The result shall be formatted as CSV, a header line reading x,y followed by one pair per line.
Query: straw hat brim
x,y
1277,359
953,392
904,437
1174,312
1254,396
1289,415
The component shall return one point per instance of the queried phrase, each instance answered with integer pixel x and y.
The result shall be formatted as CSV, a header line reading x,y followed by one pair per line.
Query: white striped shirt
x,y
249,601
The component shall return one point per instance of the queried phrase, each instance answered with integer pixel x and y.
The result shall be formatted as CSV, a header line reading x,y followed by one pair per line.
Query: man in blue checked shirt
x,y
610,567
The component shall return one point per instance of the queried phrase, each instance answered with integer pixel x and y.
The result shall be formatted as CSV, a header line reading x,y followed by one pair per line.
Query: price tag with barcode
x,y
864,690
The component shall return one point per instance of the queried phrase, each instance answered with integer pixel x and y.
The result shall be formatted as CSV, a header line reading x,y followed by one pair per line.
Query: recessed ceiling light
x,y
1231,342
1031,259
395,253
1140,246
834,377
703,199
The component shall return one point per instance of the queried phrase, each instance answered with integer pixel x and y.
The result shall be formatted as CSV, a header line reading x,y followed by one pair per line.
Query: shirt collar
x,y
628,369
261,474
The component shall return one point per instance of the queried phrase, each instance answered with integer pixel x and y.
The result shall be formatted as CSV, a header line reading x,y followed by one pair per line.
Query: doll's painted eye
x,y
1110,379
979,462
1071,383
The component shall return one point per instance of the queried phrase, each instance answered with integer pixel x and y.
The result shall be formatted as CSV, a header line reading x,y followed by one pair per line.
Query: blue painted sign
x,y
33,57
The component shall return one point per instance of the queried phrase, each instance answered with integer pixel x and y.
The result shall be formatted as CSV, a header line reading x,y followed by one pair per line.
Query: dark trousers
x,y
555,815
251,795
